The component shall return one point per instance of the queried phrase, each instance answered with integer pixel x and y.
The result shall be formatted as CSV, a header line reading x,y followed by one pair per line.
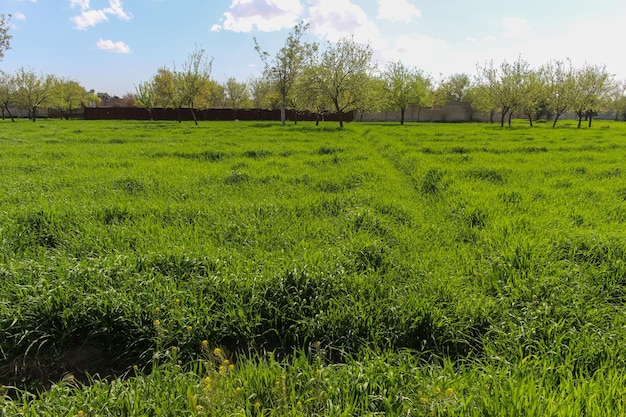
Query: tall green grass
x,y
424,269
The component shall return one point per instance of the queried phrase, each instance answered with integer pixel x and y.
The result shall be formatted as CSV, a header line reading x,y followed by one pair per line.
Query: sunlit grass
x,y
407,270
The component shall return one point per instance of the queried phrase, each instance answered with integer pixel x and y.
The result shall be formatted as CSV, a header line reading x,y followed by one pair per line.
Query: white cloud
x,y
516,28
117,47
19,16
397,11
91,17
264,15
83,4
335,19
115,8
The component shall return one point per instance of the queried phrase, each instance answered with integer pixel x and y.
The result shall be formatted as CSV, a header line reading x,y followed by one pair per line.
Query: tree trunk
x,y
193,114
530,120
283,110
556,118
502,118
510,116
34,114
10,115
580,119
590,118
491,113
402,109
180,120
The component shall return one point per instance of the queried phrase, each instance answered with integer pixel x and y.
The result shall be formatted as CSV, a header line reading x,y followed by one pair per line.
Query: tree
x,y
341,75
145,96
7,93
236,94
618,99
505,85
5,37
191,80
287,65
483,99
263,96
559,80
163,82
591,89
32,91
404,86
532,98
67,96
455,88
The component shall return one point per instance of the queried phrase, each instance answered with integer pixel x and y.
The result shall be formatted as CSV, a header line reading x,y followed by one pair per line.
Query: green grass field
x,y
249,269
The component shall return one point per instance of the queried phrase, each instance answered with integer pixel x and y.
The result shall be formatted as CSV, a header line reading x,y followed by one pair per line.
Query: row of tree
x,y
342,77
339,77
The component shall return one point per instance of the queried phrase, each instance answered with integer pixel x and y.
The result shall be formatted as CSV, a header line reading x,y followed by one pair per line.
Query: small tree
x,y
236,94
8,91
33,90
341,75
287,65
67,96
145,96
404,86
559,80
191,80
591,89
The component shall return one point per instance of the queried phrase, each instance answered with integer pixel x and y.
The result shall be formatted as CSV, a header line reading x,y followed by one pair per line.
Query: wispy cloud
x,y
19,16
263,15
397,11
91,17
117,47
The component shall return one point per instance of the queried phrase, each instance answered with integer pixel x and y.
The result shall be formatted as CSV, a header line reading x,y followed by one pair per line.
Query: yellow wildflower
x,y
217,352
157,323
450,392
205,343
423,400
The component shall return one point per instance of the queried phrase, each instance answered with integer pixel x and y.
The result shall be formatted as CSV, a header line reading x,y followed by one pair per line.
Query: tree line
x,y
338,77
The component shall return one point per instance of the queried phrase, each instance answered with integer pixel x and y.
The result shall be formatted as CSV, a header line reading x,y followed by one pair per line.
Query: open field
x,y
241,268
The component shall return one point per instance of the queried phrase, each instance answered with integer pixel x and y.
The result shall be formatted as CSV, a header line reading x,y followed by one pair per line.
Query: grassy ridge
x,y
483,267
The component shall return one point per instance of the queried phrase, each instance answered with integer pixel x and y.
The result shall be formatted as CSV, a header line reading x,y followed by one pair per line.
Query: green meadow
x,y
249,269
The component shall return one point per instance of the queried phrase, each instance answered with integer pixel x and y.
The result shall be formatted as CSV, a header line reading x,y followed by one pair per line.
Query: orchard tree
x,y
560,82
456,88
341,75
533,94
236,94
67,96
505,85
592,87
618,99
33,91
7,93
283,70
404,86
5,37
191,80
145,96
262,94
163,82
483,99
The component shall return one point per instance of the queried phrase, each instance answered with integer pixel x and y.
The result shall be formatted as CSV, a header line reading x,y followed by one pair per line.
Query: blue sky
x,y
112,45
